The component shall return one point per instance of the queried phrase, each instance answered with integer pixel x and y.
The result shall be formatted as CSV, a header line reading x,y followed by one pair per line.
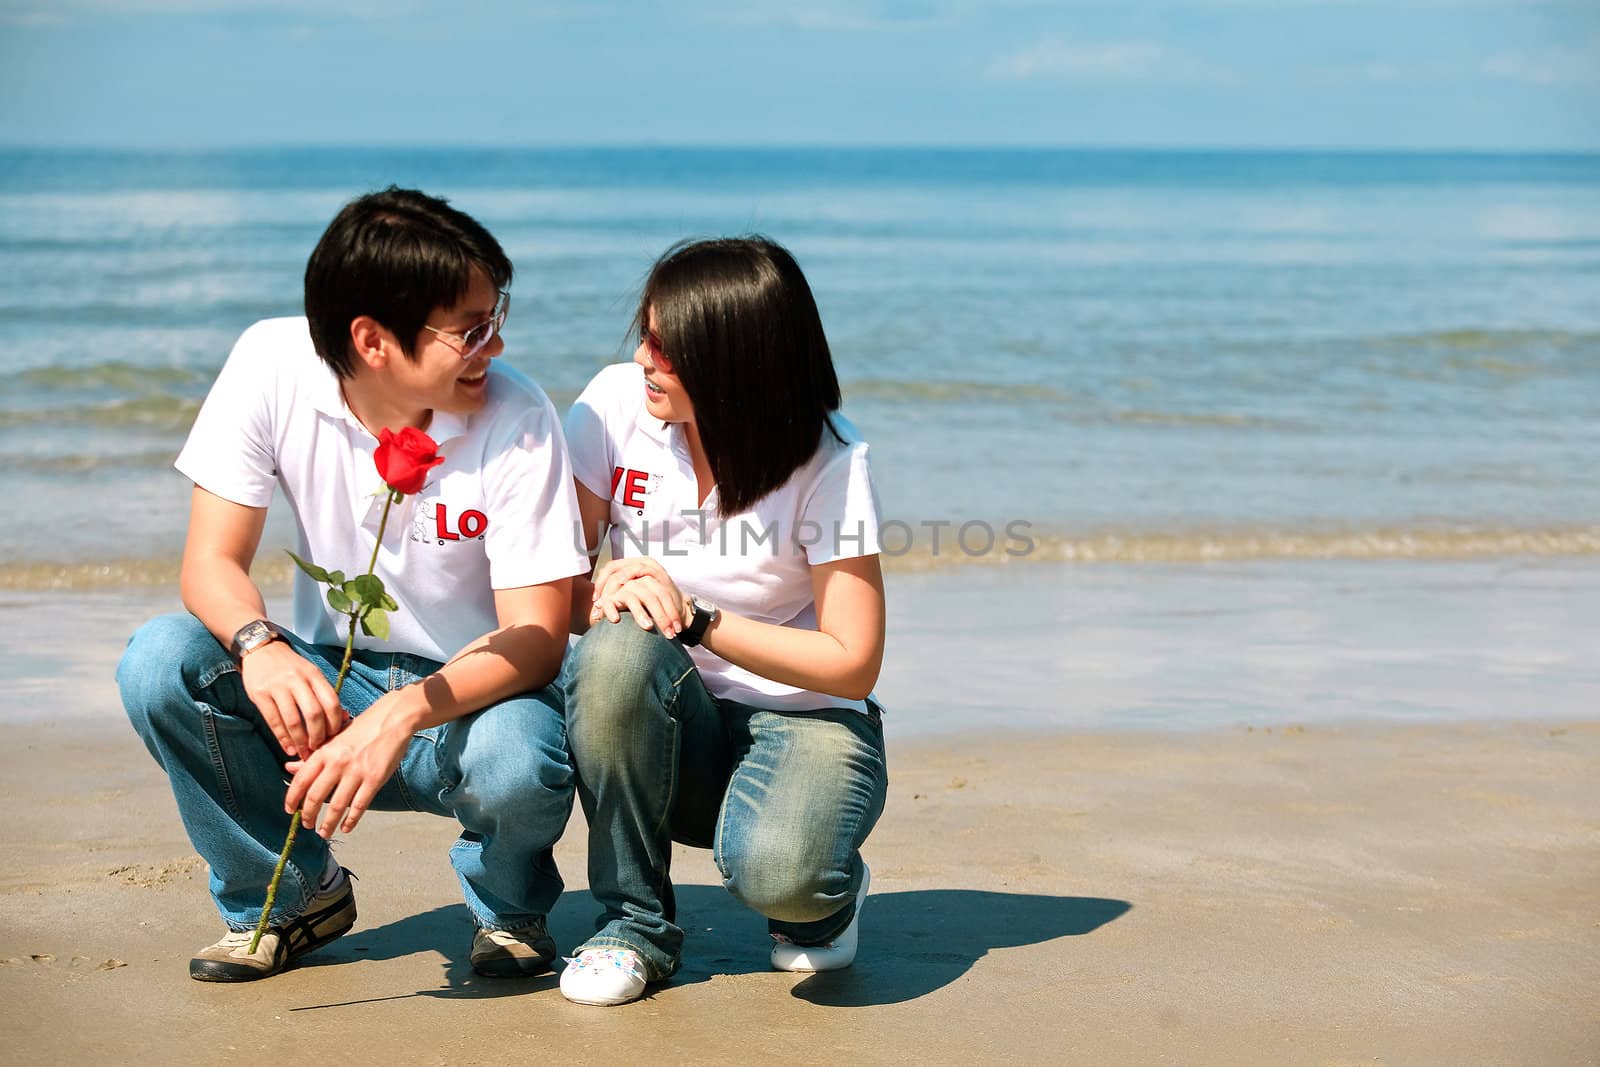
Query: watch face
x,y
251,635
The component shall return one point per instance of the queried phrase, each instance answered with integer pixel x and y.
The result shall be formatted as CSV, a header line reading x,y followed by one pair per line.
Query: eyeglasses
x,y
473,341
652,347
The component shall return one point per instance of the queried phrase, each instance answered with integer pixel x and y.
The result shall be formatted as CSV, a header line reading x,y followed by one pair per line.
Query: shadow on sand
x,y
912,943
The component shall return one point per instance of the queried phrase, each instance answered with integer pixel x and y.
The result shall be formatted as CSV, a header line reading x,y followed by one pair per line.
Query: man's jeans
x,y
504,773
784,799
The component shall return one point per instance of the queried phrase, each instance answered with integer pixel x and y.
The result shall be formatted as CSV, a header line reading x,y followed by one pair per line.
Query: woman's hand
x,y
641,586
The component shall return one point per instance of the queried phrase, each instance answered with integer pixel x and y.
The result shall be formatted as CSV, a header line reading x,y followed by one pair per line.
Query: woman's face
x,y
664,395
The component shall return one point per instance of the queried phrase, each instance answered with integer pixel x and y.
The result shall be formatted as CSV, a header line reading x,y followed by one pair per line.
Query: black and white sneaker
x,y
513,953
331,914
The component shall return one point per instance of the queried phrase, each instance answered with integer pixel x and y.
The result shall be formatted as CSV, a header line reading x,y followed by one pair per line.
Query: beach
x,y
1242,688
1396,860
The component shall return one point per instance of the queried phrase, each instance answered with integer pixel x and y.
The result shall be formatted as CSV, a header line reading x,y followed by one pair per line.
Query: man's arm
x,y
334,787
294,699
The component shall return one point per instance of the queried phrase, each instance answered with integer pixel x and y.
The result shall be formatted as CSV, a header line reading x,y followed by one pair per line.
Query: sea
x,y
1060,357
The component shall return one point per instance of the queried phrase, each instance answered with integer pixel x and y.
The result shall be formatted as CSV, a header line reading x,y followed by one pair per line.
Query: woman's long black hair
x,y
739,324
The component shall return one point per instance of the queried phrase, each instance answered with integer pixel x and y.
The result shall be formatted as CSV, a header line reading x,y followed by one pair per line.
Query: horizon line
x,y
800,146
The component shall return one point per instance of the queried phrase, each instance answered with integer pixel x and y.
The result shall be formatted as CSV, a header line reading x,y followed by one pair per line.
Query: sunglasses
x,y
474,339
652,347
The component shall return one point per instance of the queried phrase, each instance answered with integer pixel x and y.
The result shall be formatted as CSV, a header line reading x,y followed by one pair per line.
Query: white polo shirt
x,y
499,513
757,563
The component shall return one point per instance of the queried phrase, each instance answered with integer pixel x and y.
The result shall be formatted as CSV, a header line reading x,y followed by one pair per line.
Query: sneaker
x,y
835,955
329,916
513,953
603,976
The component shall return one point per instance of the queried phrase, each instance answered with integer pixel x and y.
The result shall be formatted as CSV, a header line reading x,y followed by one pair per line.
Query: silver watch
x,y
251,636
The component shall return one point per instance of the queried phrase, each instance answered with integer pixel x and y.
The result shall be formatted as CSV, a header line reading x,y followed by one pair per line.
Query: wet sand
x,y
1283,893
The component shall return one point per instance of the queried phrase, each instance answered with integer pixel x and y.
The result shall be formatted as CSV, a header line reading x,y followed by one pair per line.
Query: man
x,y
405,298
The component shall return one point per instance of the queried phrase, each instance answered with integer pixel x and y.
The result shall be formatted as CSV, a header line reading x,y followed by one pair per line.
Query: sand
x,y
1300,893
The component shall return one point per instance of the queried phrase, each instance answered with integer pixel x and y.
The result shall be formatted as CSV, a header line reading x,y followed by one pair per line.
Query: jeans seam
x,y
219,767
400,778
209,678
664,825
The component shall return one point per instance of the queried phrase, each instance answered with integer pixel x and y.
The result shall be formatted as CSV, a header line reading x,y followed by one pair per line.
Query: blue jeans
x,y
504,773
784,799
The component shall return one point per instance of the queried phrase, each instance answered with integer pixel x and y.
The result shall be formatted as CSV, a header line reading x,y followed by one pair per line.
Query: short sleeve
x,y
590,430
537,533
230,450
844,508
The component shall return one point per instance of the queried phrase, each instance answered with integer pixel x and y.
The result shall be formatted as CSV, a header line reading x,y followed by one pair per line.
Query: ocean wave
x,y
115,374
931,391
1488,340
90,463
989,544
979,544
161,312
153,412
271,574
1218,420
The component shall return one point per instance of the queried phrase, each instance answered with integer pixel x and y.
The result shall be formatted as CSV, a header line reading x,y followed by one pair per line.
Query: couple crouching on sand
x,y
720,693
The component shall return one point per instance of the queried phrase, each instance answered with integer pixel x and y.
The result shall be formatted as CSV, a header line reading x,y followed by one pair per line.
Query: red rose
x,y
405,458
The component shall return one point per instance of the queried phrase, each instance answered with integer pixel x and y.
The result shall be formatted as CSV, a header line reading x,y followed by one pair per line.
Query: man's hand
x,y
334,787
296,701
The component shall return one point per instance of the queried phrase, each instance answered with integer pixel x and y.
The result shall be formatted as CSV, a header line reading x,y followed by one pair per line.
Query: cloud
x,y
1550,67
1127,61
843,17
60,12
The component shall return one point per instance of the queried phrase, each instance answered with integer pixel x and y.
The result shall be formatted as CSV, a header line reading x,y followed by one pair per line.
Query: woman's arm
x,y
841,658
595,512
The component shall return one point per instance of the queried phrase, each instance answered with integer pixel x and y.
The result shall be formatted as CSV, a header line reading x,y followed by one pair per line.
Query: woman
x,y
722,694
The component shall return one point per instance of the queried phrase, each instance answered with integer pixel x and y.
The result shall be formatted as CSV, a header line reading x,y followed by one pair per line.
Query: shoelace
x,y
503,938
240,939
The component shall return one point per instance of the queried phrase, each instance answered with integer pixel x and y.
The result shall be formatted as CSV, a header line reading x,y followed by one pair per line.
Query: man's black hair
x,y
739,324
395,255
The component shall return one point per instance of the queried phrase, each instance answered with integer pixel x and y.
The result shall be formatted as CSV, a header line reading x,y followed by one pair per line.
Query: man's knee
x,y
162,666
515,757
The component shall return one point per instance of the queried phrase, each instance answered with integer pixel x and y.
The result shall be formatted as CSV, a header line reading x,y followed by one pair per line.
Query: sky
x,y
1408,74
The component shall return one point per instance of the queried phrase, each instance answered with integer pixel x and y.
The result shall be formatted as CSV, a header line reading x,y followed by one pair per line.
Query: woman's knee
x,y
618,672
782,880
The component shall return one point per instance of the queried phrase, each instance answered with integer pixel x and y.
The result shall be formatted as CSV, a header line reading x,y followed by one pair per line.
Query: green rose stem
x,y
356,614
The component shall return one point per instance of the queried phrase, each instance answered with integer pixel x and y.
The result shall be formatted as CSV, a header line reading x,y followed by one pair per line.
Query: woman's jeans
x,y
503,773
784,799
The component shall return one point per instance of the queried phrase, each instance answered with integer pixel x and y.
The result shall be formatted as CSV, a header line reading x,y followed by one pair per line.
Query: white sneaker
x,y
603,976
836,955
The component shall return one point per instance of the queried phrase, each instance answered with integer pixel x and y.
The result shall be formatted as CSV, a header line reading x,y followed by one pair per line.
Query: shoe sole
x,y
610,1002
297,938
792,955
501,962
513,968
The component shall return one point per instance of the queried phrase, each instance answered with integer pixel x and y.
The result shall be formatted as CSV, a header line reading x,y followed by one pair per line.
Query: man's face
x,y
437,377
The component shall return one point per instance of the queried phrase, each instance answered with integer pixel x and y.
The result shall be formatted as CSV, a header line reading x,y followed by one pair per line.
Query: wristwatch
x,y
705,613
251,636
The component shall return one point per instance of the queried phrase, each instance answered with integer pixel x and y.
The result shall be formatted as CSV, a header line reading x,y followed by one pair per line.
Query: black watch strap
x,y
705,613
